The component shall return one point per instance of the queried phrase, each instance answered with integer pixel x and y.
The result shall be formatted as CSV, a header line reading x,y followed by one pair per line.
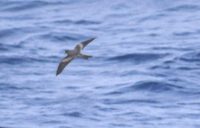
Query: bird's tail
x,y
84,56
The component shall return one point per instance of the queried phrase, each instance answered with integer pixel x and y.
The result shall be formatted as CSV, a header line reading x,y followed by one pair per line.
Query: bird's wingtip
x,y
57,73
93,38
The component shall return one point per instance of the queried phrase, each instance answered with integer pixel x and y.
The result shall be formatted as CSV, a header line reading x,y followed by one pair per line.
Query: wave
x,y
87,22
10,32
17,60
128,101
139,57
191,57
60,36
10,87
73,114
184,8
149,86
14,6
7,47
155,86
76,22
14,35
152,17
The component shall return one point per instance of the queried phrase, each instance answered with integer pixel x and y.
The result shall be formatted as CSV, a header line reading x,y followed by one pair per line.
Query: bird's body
x,y
72,54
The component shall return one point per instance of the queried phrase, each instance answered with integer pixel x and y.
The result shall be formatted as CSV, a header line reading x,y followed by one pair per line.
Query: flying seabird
x,y
72,54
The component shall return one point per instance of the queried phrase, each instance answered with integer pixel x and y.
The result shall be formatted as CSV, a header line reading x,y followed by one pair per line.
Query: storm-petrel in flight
x,y
72,54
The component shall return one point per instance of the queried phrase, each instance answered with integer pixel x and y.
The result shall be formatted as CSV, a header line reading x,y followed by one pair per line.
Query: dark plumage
x,y
72,54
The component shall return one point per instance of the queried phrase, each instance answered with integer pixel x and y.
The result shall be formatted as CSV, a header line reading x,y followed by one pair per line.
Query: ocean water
x,y
145,70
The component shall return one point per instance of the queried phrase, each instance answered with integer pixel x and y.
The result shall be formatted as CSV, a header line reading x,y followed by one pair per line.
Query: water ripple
x,y
17,60
154,86
138,57
191,57
184,8
21,6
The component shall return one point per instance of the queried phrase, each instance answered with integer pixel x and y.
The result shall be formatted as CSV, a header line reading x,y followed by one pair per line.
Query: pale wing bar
x,y
64,62
85,43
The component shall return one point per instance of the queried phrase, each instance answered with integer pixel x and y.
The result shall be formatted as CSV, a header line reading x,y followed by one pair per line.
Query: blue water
x,y
145,72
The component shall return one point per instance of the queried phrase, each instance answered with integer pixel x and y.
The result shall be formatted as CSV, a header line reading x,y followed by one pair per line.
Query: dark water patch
x,y
3,48
73,114
147,86
167,65
115,92
186,33
87,22
120,125
153,17
191,57
5,127
45,101
17,60
119,6
6,86
167,62
117,15
8,32
64,22
151,86
129,101
138,57
52,122
190,103
16,32
121,29
132,72
153,35
197,31
78,22
188,68
155,86
71,88
53,57
185,8
105,109
22,5
59,36
160,67
159,74
172,48
11,87
182,33
8,47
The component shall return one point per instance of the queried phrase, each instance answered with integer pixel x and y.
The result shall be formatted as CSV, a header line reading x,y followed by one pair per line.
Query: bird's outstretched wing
x,y
64,62
83,44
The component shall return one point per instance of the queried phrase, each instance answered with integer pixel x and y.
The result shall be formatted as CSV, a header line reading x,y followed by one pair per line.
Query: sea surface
x,y
145,70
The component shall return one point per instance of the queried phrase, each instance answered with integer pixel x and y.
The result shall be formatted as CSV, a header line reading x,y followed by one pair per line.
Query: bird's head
x,y
66,51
